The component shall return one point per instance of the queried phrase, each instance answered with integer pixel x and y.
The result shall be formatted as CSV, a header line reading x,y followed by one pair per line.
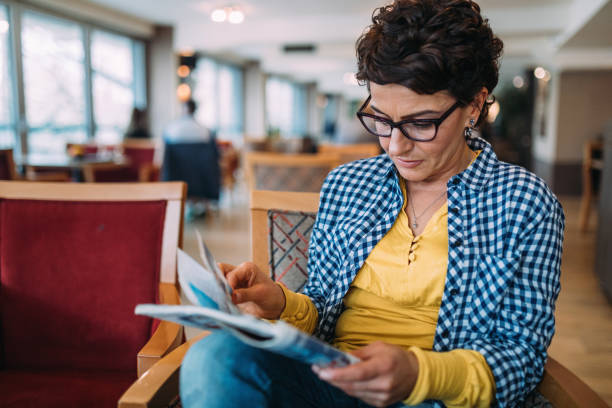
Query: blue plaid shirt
x,y
505,235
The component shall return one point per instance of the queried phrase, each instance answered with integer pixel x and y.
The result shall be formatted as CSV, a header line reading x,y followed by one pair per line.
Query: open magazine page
x,y
209,291
278,337
201,286
211,264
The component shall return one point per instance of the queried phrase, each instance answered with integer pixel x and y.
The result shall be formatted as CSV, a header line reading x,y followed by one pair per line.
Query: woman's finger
x,y
239,277
225,268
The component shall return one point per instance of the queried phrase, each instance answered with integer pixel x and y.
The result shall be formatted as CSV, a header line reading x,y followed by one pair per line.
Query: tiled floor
x,y
583,341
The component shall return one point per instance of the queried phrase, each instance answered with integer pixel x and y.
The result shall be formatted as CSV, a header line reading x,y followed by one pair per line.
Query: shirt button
x,y
457,243
454,292
456,181
454,210
445,333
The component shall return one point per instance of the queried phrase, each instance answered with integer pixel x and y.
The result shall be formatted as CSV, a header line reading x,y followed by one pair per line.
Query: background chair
x,y
195,163
9,172
592,165
139,164
7,165
351,152
76,259
288,172
281,223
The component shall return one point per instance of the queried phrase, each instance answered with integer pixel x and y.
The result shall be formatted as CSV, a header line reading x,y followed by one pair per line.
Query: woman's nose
x,y
399,143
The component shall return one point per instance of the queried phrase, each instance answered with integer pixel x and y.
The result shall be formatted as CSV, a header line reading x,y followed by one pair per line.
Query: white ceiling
x,y
530,29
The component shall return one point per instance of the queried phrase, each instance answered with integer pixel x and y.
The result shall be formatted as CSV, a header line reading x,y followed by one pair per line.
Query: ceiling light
x,y
236,16
518,81
218,15
539,72
183,71
4,26
183,92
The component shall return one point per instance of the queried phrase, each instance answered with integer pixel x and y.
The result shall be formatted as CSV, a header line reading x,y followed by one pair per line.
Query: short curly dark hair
x,y
430,46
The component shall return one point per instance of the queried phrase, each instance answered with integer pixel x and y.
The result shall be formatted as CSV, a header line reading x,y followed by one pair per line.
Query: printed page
x,y
202,286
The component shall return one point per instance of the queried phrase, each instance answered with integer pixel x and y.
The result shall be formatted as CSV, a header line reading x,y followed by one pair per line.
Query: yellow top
x,y
396,297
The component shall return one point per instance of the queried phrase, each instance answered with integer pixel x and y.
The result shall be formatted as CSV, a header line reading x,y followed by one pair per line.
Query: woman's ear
x,y
478,103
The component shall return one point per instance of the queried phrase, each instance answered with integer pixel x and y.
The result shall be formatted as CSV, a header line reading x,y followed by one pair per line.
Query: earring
x,y
469,129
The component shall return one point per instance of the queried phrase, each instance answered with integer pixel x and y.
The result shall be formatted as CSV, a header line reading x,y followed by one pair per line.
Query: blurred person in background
x,y
139,125
191,155
437,265
186,128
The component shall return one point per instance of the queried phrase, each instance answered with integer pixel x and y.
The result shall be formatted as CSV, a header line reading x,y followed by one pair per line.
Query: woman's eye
x,y
421,125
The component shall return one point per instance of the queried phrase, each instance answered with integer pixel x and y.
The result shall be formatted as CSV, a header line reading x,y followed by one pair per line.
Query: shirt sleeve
x,y
299,311
458,378
521,327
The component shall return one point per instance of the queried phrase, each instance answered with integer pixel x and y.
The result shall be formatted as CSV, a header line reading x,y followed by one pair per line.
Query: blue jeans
x,y
221,371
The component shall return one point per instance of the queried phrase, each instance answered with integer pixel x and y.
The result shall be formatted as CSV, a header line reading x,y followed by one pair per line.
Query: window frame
x,y
15,11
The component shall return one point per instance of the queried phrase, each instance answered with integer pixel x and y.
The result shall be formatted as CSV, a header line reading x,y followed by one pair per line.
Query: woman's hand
x,y
386,374
253,290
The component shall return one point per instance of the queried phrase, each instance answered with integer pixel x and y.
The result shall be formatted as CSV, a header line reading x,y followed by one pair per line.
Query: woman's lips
x,y
408,163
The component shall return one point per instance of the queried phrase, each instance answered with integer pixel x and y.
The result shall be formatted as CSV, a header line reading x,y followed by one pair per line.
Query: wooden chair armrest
x,y
166,337
565,390
159,386
149,172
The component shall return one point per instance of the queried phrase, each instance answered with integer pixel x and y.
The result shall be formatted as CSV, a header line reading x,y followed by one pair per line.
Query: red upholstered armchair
x,y
75,259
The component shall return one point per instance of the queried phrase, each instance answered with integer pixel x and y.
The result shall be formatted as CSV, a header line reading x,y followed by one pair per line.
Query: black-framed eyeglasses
x,y
420,130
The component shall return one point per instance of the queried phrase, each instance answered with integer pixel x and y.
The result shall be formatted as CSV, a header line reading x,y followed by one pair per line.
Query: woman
x,y
435,264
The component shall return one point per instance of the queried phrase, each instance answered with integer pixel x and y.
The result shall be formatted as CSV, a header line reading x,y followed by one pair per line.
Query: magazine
x,y
212,309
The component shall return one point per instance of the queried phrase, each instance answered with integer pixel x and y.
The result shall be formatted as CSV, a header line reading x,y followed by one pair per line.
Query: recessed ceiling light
x,y
236,16
218,15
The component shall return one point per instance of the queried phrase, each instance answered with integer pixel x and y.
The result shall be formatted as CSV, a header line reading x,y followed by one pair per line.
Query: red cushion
x,y
22,389
139,155
71,274
111,175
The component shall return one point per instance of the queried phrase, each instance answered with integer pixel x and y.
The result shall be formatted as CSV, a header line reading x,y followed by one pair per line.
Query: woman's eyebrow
x,y
412,115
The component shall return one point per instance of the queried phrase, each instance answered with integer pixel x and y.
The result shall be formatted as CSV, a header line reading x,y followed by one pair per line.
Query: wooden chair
x,y
8,170
107,173
591,161
7,165
139,164
563,389
281,223
351,152
76,259
288,172
559,386
160,387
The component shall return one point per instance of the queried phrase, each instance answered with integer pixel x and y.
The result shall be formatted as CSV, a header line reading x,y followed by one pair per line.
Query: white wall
x,y
254,101
584,107
163,104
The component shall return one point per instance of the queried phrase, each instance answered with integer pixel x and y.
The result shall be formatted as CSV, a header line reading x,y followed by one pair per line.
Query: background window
x,y
113,63
217,89
7,125
286,107
54,82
